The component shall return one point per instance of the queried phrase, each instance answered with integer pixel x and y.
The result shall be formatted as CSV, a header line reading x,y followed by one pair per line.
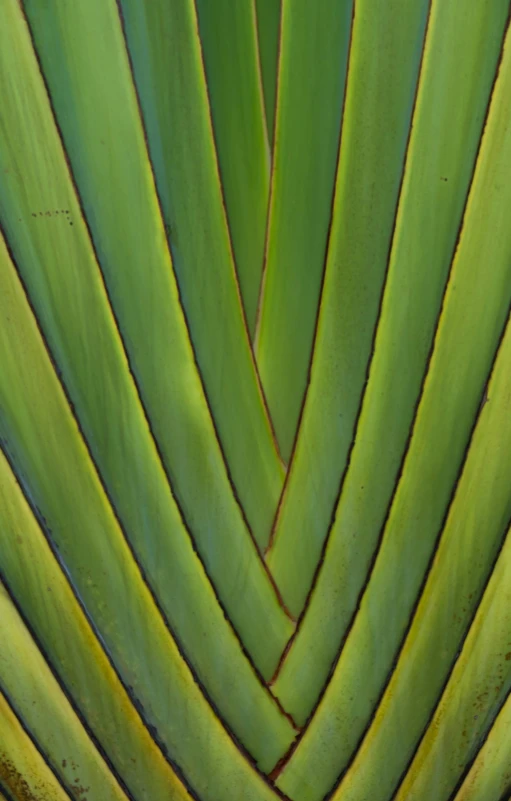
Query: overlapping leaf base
x,y
255,421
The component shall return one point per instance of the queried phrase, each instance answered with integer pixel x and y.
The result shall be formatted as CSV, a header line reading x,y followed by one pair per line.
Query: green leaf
x,y
447,127
384,60
488,777
255,444
66,491
237,106
6,796
45,711
312,70
32,572
455,583
60,479
165,51
474,314
65,285
268,33
478,687
23,771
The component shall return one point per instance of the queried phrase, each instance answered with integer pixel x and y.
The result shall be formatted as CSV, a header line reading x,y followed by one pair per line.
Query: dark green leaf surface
x,y
268,34
33,575
385,55
230,47
314,43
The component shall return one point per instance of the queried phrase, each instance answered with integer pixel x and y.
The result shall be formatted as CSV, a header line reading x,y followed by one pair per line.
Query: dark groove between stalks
x,y
36,745
506,795
138,393
5,793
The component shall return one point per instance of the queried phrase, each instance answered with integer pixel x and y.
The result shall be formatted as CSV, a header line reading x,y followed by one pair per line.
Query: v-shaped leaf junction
x,y
255,359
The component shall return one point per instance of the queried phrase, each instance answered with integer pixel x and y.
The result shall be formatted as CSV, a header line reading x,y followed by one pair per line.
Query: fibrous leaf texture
x,y
255,400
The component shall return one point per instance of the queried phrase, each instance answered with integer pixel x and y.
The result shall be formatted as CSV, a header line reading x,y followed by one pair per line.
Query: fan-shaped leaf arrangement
x,y
255,400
